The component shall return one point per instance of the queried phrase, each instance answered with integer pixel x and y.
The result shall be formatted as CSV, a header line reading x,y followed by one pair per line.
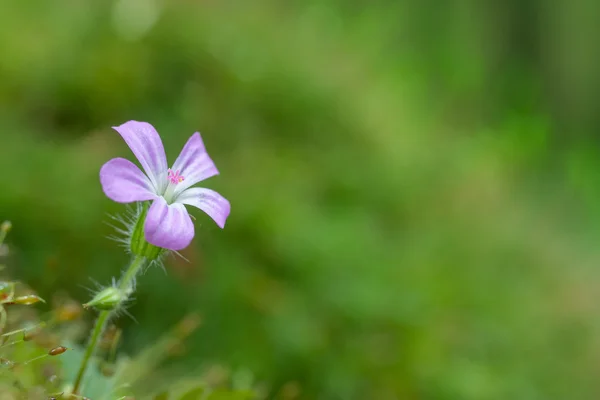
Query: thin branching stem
x,y
125,284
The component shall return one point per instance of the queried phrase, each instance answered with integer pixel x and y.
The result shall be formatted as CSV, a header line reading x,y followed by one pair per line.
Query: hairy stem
x,y
125,284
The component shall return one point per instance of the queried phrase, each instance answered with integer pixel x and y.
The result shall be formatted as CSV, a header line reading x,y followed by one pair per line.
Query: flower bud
x,y
138,243
107,299
57,351
27,300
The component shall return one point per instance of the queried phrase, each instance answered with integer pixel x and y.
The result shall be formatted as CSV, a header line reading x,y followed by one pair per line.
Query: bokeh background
x,y
414,184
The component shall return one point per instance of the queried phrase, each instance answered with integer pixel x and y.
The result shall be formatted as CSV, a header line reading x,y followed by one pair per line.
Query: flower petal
x,y
145,143
216,206
194,163
168,225
123,182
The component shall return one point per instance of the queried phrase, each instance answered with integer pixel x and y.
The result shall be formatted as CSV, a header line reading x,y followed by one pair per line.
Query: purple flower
x,y
168,224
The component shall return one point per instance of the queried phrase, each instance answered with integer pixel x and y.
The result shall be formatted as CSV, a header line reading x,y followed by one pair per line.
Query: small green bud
x,y
107,299
139,245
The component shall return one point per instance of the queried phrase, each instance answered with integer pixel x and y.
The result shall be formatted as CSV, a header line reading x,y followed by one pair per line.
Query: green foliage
x,y
413,184
27,374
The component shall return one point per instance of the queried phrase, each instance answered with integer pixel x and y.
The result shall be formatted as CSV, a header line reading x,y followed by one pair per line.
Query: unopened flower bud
x,y
27,300
139,245
57,351
107,299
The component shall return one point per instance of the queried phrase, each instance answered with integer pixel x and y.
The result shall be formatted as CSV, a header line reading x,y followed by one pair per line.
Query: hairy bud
x,y
107,299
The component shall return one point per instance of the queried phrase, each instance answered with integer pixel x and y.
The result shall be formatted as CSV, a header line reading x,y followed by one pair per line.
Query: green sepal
x,y
139,245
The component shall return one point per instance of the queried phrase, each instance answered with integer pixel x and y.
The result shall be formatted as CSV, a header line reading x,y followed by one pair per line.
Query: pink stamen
x,y
174,177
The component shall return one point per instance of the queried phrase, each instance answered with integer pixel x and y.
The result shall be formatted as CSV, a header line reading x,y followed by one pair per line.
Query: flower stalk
x,y
162,222
124,286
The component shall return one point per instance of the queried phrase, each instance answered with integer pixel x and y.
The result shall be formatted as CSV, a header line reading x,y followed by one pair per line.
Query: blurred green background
x,y
414,184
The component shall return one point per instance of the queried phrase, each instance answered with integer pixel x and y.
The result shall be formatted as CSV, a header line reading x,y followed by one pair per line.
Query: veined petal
x,y
216,206
123,182
194,163
168,225
145,143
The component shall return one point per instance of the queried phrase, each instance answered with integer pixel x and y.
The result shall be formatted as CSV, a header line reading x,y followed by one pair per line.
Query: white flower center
x,y
173,178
